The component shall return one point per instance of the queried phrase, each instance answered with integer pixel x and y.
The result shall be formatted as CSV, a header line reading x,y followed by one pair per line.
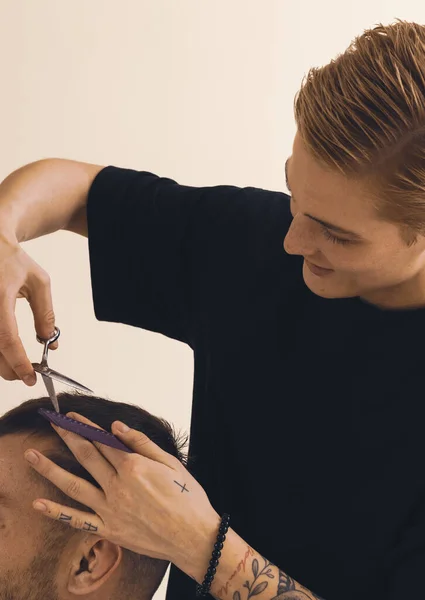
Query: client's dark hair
x,y
141,574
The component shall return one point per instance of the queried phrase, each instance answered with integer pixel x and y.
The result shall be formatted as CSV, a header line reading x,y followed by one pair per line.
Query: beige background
x,y
199,91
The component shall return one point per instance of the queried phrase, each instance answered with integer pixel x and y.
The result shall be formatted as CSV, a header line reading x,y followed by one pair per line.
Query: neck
x,y
406,295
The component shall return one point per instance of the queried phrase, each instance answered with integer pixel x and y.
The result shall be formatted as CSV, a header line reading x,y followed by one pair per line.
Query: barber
x,y
303,404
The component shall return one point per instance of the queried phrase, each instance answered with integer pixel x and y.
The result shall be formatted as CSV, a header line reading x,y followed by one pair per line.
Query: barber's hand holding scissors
x,y
149,502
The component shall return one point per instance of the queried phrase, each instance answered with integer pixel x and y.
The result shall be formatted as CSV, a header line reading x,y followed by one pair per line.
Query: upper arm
x,y
78,220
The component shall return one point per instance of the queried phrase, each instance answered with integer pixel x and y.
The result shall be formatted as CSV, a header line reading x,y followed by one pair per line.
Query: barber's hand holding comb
x,y
149,502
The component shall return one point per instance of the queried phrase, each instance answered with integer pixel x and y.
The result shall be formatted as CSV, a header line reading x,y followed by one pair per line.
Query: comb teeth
x,y
87,431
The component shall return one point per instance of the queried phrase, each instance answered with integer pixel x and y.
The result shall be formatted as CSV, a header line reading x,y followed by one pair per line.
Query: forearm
x,y
46,196
243,574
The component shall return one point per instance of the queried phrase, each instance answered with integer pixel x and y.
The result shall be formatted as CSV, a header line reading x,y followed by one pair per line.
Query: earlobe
x,y
94,566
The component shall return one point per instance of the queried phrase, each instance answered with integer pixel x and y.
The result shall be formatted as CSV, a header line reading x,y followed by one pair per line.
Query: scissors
x,y
87,431
48,374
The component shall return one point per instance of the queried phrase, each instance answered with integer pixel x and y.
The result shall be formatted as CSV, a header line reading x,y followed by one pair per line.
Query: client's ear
x,y
93,561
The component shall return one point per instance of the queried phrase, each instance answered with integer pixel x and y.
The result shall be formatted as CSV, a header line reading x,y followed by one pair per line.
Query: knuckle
x,y
7,339
131,463
175,462
43,277
73,489
141,441
49,316
65,433
86,452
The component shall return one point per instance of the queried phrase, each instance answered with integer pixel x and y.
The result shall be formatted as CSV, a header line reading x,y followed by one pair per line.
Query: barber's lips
x,y
316,270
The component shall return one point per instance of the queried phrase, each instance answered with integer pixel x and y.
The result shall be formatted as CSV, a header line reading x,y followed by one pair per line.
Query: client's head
x,y
44,558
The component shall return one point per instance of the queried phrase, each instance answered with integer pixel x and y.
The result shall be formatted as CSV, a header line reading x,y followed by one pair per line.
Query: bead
x,y
203,589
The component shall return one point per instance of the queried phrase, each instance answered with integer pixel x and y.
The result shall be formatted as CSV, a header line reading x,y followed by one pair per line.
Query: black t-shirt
x,y
308,413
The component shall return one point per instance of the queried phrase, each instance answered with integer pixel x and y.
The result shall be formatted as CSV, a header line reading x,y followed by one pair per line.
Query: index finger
x,y
11,346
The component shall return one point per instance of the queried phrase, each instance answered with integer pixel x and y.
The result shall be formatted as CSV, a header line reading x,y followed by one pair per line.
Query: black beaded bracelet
x,y
203,588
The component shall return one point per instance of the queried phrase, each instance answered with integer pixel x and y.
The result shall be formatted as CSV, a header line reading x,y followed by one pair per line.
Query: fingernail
x,y
123,427
31,457
30,379
40,506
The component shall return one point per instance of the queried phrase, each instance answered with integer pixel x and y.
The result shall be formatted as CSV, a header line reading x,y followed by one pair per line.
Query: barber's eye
x,y
333,238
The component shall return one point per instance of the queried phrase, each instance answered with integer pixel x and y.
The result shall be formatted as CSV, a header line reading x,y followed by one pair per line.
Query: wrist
x,y
231,570
194,561
8,226
232,566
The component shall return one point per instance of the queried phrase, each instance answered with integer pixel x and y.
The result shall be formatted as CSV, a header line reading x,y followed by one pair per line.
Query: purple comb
x,y
87,431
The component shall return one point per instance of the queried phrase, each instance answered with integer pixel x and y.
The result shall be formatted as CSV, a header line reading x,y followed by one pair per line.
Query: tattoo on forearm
x,y
286,589
183,487
255,589
86,527
224,589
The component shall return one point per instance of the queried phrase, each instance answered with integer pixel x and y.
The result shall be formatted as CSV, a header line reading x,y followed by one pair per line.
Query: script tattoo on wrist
x,y
86,527
183,487
287,588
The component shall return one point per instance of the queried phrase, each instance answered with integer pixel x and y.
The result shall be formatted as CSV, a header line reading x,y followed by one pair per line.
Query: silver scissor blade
x,y
45,370
67,380
51,391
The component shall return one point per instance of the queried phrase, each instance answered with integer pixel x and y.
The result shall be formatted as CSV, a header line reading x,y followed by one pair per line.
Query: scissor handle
x,y
47,343
50,340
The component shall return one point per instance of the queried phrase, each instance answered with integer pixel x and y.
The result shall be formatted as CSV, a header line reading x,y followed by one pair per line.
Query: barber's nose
x,y
300,237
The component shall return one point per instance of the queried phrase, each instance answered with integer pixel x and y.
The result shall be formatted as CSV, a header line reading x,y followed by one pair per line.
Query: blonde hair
x,y
363,114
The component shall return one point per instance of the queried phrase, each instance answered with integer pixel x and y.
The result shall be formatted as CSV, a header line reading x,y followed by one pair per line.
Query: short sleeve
x,y
161,252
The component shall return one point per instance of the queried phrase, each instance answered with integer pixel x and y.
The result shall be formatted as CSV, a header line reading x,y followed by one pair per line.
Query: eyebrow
x,y
324,223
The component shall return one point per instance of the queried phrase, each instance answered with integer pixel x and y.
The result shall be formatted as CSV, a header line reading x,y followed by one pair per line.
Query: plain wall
x,y
199,91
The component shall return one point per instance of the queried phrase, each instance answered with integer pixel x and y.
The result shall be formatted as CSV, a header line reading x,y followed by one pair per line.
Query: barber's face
x,y
30,569
367,258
